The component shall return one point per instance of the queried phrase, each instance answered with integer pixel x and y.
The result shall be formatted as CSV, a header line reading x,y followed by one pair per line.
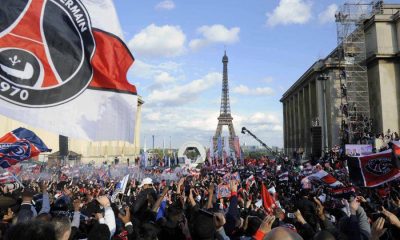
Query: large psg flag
x,y
63,68
19,145
373,170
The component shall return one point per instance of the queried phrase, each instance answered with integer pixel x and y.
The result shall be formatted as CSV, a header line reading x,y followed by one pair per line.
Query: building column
x,y
313,107
298,121
321,110
286,126
294,122
307,115
291,126
138,122
304,121
300,136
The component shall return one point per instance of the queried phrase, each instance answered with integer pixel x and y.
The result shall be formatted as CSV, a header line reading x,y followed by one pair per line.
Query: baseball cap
x,y
146,181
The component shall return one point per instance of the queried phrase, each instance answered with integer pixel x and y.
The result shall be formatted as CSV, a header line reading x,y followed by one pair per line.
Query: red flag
x,y
268,201
6,177
20,145
374,169
396,153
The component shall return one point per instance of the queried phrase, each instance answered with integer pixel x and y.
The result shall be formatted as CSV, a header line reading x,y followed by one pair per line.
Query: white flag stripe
x,y
109,22
97,113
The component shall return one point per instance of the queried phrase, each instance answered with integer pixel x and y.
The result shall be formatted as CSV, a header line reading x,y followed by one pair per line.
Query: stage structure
x,y
355,111
225,118
189,146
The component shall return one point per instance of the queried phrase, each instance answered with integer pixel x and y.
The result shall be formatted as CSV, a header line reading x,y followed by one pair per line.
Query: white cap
x,y
146,181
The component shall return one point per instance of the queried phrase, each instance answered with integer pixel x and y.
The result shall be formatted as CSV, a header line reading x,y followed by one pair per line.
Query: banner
x,y
344,192
231,176
283,177
63,68
325,178
19,145
250,181
358,149
223,191
395,145
307,170
373,170
6,177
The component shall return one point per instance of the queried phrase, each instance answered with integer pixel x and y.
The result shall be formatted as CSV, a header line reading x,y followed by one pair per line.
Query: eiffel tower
x,y
225,117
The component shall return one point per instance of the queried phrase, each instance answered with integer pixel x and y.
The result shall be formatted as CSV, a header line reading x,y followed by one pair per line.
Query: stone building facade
x,y
312,105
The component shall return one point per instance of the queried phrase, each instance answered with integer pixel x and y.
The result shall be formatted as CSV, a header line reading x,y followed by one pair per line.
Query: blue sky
x,y
178,46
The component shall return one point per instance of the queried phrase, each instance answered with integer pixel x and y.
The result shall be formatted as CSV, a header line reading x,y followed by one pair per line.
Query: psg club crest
x,y
379,166
44,61
18,151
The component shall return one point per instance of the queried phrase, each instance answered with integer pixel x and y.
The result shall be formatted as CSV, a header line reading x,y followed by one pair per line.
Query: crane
x,y
245,130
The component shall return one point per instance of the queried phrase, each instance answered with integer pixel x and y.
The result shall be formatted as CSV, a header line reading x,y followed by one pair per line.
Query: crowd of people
x,y
214,202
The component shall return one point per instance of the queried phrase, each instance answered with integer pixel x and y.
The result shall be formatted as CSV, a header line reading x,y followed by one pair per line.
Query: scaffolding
x,y
355,107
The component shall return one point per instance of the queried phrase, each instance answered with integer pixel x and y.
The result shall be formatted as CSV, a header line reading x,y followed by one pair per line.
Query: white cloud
x,y
268,80
163,78
328,15
153,116
196,124
263,118
266,126
290,12
158,73
158,41
165,5
215,34
182,94
245,90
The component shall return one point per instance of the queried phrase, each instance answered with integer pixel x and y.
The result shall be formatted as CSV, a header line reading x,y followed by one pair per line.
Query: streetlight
x,y
323,78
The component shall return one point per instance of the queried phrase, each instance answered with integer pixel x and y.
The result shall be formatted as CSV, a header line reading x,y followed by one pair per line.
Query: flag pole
x,y
15,177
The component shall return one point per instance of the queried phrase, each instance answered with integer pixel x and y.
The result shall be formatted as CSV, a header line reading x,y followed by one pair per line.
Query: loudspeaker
x,y
316,133
63,145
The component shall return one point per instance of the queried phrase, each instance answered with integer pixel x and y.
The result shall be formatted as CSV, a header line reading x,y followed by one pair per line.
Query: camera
x,y
121,209
291,215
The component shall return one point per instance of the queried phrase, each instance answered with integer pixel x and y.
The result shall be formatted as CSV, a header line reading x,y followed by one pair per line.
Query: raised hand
x,y
299,217
266,224
192,202
319,209
393,219
180,183
43,186
233,185
377,229
354,205
125,218
104,201
185,228
211,189
9,216
67,191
